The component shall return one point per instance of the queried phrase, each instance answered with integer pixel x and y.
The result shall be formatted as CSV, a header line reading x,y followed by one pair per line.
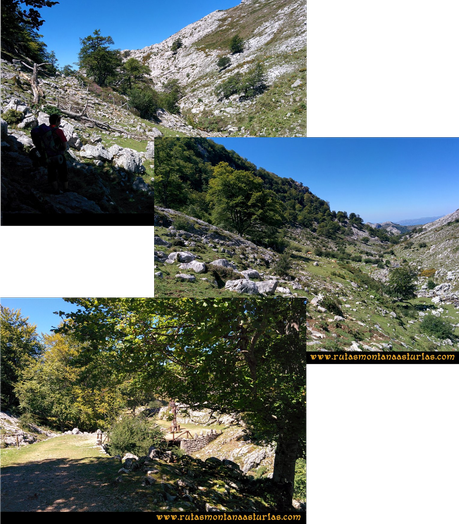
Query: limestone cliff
x,y
274,34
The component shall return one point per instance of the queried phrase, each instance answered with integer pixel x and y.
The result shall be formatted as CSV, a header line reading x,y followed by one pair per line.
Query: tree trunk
x,y
284,468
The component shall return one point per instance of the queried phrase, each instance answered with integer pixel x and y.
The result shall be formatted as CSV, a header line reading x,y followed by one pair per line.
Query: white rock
x,y
242,286
223,263
180,256
250,273
198,267
267,287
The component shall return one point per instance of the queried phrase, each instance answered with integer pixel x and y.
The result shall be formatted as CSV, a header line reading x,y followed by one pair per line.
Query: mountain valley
x,y
340,265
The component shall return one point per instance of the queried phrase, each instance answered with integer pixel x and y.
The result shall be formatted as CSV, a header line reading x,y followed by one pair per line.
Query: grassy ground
x,y
67,473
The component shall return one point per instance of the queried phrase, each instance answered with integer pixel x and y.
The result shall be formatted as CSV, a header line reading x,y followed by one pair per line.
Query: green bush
x,y
12,116
232,86
145,100
431,284
283,264
435,326
134,435
299,489
236,44
177,44
333,305
223,62
51,110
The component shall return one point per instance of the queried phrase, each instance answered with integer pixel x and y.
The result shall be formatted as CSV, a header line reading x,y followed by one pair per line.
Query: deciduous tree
x,y
20,346
402,284
243,356
240,201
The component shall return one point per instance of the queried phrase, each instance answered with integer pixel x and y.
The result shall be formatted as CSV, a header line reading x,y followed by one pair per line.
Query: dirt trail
x,y
68,473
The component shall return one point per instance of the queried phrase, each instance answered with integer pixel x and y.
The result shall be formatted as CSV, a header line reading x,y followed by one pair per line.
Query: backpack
x,y
46,141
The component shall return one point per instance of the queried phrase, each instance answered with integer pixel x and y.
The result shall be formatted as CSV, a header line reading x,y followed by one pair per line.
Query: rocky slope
x,y
205,260
347,308
231,473
274,32
14,432
110,156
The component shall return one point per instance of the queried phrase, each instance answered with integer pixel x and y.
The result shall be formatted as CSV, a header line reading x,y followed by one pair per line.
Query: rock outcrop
x,y
274,34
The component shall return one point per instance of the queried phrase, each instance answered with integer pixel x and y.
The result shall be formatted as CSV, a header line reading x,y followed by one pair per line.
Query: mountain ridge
x,y
274,34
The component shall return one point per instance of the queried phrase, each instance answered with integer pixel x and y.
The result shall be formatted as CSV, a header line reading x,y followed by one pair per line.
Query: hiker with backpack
x,y
51,143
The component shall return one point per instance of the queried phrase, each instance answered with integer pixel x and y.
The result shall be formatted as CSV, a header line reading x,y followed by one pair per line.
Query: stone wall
x,y
198,442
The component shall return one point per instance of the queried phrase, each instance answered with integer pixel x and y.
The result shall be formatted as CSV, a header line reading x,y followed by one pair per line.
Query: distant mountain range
x,y
396,228
418,221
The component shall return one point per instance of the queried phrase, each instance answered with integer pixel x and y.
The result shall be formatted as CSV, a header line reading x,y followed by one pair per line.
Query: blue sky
x,y
381,179
132,25
40,310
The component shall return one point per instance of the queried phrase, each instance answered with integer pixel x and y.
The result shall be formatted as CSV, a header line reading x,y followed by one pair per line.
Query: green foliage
x,y
401,284
236,44
51,110
332,304
223,62
283,264
20,347
145,100
177,44
422,244
171,95
100,62
134,435
62,396
431,284
299,492
257,344
437,327
254,81
20,22
12,116
238,200
68,70
133,75
251,84
229,87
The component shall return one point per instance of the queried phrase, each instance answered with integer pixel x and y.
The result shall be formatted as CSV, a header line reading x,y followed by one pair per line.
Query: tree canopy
x,y
240,201
20,22
243,356
20,345
402,284
96,57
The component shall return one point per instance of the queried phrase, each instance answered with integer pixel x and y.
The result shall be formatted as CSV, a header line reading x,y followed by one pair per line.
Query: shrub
x,y
254,81
299,489
435,326
183,224
134,435
333,305
236,44
431,284
232,86
422,244
12,116
283,264
145,100
177,44
223,62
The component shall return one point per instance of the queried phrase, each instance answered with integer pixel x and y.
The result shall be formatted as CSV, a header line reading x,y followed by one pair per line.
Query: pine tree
x,y
100,62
